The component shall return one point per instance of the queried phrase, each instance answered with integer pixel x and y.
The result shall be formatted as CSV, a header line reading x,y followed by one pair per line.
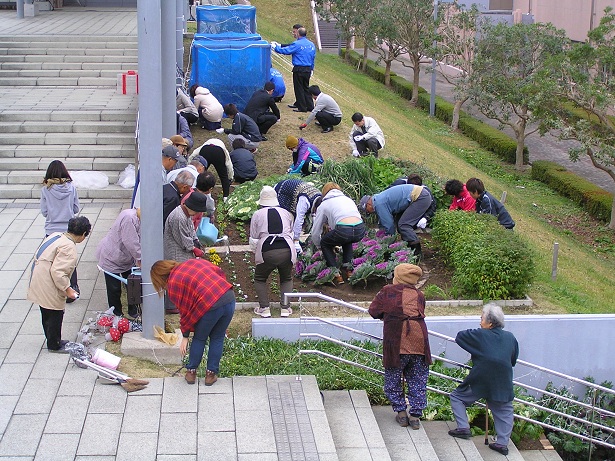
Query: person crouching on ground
x,y
365,137
54,262
494,353
206,303
271,238
341,215
307,158
406,352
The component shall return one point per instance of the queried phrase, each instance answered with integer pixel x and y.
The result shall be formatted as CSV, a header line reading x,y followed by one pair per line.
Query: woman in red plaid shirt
x,y
206,303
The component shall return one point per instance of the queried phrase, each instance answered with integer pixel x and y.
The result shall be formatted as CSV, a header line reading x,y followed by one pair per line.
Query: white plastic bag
x,y
127,177
89,179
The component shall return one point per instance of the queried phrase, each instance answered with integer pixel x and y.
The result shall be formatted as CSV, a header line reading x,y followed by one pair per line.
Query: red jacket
x,y
194,286
463,202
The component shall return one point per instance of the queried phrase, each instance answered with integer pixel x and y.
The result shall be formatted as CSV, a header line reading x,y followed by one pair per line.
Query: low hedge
x,y
490,262
487,136
595,200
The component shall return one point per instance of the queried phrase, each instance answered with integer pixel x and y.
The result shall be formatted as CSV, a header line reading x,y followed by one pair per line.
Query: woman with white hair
x,y
494,354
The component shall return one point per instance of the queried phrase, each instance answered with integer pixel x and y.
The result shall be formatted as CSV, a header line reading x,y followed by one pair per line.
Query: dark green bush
x,y
490,262
595,200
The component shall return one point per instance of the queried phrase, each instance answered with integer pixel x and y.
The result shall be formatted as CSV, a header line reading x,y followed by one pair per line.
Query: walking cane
x,y
486,423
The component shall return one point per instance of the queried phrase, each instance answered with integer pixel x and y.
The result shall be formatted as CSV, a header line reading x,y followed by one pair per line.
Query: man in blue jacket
x,y
303,53
399,208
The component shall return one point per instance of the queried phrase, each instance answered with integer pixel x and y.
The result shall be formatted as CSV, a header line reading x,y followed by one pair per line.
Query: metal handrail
x,y
596,387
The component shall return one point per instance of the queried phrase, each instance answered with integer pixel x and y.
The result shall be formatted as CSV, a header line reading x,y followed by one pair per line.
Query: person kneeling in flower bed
x,y
271,238
405,343
341,215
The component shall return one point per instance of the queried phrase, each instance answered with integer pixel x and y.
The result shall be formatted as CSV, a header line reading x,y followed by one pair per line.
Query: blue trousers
x,y
343,236
502,412
415,372
212,325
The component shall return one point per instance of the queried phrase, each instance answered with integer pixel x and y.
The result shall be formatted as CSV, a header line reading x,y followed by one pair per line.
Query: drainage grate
x,y
291,422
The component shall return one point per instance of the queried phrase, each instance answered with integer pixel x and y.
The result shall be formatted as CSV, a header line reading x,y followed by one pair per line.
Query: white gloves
x,y
355,153
220,130
274,44
422,223
298,248
358,138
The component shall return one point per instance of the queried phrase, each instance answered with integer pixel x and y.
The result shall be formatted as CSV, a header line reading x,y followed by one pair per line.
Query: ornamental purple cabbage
x,y
380,233
359,261
394,246
299,267
317,256
382,266
324,273
370,242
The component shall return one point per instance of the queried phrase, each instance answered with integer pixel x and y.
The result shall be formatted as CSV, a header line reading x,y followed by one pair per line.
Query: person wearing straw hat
x,y
271,239
494,353
406,352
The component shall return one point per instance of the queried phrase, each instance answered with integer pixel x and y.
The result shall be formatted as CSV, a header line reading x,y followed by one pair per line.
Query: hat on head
x,y
171,152
407,274
363,202
291,142
179,140
268,197
196,201
201,160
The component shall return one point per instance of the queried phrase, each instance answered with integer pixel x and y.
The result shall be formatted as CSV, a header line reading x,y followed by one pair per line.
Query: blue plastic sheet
x,y
212,19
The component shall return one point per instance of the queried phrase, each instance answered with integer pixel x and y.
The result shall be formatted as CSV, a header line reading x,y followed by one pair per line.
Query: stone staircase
x,y
58,100
361,432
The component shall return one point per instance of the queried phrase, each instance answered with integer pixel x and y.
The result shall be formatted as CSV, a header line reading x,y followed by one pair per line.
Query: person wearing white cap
x,y
271,238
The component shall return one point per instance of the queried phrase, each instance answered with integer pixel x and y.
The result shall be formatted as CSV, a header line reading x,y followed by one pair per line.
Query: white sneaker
x,y
286,312
263,312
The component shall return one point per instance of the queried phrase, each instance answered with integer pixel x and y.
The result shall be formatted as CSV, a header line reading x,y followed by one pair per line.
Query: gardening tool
x,y
129,384
133,284
486,423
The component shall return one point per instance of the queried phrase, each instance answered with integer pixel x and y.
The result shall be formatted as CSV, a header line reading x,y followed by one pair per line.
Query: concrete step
x,y
29,42
22,65
540,455
71,73
353,426
67,127
403,443
34,166
17,177
120,39
68,138
67,58
33,191
104,115
12,152
58,81
62,51
450,448
488,454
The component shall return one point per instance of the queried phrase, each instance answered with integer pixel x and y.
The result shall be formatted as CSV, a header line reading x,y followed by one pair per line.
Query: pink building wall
x,y
576,17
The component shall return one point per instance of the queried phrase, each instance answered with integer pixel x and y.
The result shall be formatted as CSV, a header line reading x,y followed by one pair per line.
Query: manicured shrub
x,y
595,200
490,262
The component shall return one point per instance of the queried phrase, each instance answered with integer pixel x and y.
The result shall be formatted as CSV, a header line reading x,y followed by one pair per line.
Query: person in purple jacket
x,y
307,158
117,253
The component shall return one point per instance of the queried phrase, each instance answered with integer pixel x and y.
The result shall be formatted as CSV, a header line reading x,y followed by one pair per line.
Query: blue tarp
x,y
212,19
232,70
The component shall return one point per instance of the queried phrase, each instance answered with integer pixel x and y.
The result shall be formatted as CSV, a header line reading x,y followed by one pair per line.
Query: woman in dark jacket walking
x,y
406,352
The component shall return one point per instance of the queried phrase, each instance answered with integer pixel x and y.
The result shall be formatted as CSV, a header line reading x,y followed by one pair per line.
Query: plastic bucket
x,y
106,359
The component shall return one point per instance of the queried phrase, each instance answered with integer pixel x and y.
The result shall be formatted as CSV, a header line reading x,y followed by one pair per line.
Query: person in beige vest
x,y
54,262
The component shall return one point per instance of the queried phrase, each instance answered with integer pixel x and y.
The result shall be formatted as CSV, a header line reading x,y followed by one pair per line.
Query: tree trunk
x,y
415,81
520,133
364,63
612,223
387,73
348,44
456,110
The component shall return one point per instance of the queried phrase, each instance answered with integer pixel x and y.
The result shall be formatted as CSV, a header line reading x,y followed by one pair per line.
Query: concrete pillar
x,y
180,26
150,154
20,9
169,108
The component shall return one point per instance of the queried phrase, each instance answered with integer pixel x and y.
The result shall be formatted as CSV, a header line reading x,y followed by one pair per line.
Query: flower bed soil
x,y
239,268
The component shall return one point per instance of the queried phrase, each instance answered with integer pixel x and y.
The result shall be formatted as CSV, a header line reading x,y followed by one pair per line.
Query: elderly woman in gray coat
x,y
494,354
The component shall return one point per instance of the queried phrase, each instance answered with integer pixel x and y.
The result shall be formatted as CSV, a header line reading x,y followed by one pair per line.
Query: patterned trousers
x,y
415,372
